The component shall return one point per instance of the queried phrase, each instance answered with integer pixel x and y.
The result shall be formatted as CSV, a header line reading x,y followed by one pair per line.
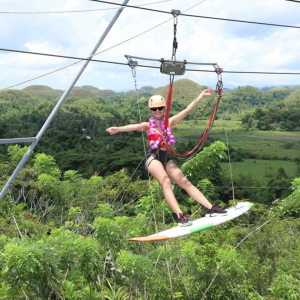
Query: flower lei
x,y
168,133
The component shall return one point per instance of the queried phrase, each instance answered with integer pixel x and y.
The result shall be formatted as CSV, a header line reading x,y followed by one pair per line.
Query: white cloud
x,y
234,46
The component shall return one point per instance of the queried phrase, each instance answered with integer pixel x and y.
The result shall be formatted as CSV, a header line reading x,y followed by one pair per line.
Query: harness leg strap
x,y
149,160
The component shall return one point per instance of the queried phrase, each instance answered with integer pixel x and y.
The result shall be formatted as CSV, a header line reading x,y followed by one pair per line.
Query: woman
x,y
158,161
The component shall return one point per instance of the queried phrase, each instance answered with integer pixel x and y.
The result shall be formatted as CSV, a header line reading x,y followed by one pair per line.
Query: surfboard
x,y
198,225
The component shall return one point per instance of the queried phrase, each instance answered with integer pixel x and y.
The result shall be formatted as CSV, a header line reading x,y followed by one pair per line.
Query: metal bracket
x,y
219,71
132,64
175,12
176,68
18,140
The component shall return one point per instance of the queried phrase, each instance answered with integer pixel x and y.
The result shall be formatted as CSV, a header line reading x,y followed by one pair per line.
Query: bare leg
x,y
178,177
157,170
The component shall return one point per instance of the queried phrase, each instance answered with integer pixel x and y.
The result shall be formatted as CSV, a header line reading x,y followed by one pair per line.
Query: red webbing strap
x,y
168,108
220,91
205,134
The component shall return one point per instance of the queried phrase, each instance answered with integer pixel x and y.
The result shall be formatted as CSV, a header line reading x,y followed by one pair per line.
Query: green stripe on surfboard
x,y
203,227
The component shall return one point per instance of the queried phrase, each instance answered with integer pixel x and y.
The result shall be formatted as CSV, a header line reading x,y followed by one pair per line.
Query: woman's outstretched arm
x,y
132,127
180,116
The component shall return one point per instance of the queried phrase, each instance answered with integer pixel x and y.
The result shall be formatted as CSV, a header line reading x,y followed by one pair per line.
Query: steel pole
x,y
58,105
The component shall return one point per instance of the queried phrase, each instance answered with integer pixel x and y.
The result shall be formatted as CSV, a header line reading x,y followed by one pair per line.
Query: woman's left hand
x,y
207,92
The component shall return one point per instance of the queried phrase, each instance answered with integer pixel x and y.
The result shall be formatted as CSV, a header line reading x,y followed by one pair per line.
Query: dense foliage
x,y
65,237
280,118
66,218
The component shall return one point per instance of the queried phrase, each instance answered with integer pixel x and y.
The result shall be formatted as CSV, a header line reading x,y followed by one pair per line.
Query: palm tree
x,y
115,293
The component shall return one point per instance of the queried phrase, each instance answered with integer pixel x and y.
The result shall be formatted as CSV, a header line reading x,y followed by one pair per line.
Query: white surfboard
x,y
198,225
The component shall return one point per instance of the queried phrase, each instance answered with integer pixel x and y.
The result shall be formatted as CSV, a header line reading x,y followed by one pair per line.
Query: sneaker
x,y
183,220
215,211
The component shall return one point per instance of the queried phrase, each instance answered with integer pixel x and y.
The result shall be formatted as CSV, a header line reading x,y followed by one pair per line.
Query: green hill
x,y
246,97
43,92
143,90
184,90
148,89
131,93
81,93
155,91
86,91
280,93
16,102
100,93
293,100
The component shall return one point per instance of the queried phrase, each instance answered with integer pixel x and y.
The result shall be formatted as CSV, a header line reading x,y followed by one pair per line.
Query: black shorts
x,y
154,154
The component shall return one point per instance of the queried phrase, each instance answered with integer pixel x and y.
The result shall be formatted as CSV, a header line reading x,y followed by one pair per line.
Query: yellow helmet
x,y
156,101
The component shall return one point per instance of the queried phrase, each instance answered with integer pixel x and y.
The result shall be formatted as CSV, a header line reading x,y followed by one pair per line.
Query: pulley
x,y
172,68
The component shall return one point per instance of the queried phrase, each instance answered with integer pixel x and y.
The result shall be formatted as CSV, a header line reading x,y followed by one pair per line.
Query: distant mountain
x,y
155,91
265,89
280,93
43,92
293,87
148,90
132,93
184,90
14,101
81,93
86,91
100,93
293,100
226,90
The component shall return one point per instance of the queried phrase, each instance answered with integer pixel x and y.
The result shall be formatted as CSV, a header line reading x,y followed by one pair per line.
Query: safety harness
x,y
219,88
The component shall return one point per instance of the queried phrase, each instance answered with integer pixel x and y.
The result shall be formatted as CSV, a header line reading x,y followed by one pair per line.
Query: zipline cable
x,y
75,11
142,66
138,103
229,158
205,17
62,56
133,65
89,57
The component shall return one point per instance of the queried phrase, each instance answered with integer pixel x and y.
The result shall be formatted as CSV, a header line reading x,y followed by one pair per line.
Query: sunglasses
x,y
157,108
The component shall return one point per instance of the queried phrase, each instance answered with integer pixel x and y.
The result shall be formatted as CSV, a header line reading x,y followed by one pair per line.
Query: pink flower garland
x,y
168,133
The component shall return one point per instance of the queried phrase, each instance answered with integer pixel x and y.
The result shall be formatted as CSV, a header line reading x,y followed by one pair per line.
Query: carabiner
x,y
172,78
219,88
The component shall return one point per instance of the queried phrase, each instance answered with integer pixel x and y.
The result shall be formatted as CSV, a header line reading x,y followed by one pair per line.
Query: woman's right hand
x,y
112,130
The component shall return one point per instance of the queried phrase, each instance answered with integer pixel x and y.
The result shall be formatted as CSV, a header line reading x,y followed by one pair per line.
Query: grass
x,y
274,149
265,144
262,170
193,128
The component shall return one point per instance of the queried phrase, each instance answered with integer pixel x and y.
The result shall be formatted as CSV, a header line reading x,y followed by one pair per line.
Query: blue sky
x,y
234,46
